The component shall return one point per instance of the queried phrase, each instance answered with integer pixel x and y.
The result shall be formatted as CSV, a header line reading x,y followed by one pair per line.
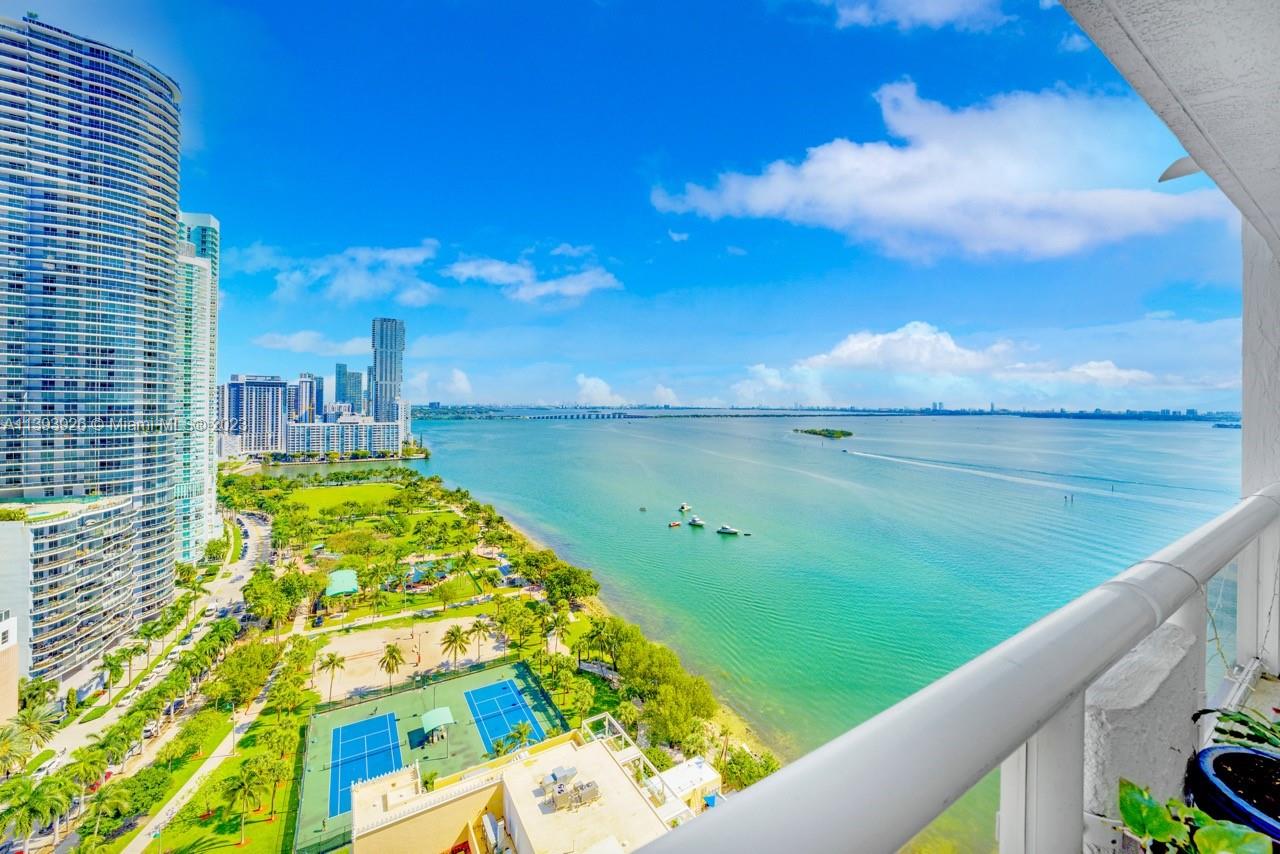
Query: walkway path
x,y
216,757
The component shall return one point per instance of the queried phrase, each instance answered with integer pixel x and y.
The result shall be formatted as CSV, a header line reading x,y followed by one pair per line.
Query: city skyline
x,y
698,255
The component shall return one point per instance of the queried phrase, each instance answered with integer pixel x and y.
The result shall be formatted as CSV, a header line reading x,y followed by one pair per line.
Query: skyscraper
x,y
194,488
258,413
340,383
88,293
387,373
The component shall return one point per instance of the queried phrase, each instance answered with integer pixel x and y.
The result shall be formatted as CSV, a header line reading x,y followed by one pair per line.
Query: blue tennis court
x,y
361,750
497,708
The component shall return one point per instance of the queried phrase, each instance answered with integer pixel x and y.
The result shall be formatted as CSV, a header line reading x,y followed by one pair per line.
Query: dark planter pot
x,y
1239,784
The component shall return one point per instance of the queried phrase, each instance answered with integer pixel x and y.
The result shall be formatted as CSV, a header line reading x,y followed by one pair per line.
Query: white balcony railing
x,y
875,787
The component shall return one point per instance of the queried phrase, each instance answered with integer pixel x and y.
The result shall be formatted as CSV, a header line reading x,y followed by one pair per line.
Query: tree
x,y
85,768
521,733
277,740
454,642
744,768
57,793
450,591
331,663
558,625
627,714
171,752
111,670
15,750
272,772
392,659
569,583
240,790
479,631
37,724
27,807
36,692
110,801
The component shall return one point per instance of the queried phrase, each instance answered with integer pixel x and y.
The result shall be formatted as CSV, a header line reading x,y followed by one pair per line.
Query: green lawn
x,y
39,759
233,553
183,771
221,829
319,497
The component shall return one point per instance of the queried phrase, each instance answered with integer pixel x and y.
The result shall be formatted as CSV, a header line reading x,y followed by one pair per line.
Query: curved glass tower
x,y
89,155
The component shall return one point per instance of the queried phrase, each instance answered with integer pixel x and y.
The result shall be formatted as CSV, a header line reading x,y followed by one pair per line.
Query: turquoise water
x,y
868,573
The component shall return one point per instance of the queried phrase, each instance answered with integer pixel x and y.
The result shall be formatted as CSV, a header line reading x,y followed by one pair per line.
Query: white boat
x,y
696,522
684,507
726,529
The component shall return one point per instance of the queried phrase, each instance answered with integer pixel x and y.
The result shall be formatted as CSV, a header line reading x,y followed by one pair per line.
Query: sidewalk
x,y
216,757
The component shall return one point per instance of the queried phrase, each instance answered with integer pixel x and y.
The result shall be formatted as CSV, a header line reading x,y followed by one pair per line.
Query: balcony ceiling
x,y
1211,70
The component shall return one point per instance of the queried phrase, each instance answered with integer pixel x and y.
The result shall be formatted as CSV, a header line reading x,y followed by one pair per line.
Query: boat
x,y
726,529
695,522
643,509
675,524
684,507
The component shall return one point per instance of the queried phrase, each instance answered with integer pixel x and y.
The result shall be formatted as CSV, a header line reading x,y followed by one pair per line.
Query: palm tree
x,y
272,772
501,746
559,625
111,671
15,750
276,740
521,733
85,768
37,724
627,714
111,801
26,808
331,663
479,631
240,790
58,792
392,658
455,641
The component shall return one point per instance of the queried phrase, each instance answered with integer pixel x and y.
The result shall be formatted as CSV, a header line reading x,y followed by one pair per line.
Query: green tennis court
x,y
456,746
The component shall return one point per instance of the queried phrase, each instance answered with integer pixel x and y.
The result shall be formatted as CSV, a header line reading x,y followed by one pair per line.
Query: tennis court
x,y
338,738
361,750
497,708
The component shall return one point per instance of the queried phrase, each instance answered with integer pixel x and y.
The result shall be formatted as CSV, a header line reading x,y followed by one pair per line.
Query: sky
x,y
747,202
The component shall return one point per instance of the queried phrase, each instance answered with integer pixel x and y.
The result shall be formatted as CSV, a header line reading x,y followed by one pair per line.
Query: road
x,y
224,590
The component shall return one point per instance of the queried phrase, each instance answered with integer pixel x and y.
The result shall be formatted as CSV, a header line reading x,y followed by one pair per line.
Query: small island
x,y
826,433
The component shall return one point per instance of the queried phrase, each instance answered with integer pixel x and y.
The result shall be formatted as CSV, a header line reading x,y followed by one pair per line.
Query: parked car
x,y
318,621
186,639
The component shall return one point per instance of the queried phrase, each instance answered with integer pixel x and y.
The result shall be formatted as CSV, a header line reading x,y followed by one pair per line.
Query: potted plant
x,y
1176,827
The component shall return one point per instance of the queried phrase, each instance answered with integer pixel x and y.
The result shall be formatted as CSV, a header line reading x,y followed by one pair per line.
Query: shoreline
x,y
741,730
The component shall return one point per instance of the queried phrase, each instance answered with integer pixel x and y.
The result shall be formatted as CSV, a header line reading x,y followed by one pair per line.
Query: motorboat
x,y
684,507
696,522
675,524
727,529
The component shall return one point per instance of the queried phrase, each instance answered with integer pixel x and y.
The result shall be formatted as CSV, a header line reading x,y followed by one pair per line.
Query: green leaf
x,y
1227,838
1147,818
1184,813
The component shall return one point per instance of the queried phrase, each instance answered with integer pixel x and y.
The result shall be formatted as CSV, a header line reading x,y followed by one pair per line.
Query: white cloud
x,y
1028,174
678,236
416,386
254,258
1074,42
1157,360
568,250
916,346
352,275
458,385
519,280
1103,373
310,341
664,396
909,14
418,294
593,391
735,250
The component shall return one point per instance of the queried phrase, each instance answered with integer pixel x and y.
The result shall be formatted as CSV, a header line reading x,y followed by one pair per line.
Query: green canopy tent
x,y
342,582
436,719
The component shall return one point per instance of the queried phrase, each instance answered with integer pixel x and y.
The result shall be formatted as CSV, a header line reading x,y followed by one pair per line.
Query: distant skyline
x,y
869,203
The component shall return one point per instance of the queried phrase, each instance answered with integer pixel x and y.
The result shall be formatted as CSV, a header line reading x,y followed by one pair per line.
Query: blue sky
x,y
876,202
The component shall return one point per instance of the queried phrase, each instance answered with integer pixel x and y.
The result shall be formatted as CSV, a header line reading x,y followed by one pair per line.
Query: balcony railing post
x,y
1194,617
1042,788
